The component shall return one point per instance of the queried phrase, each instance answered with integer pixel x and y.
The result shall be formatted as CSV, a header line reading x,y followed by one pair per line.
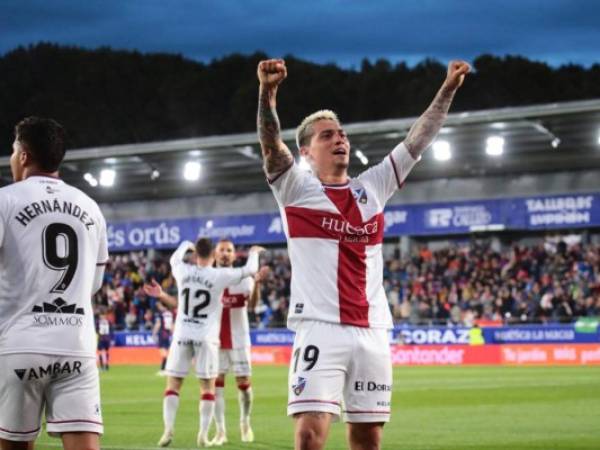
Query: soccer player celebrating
x,y
197,324
53,249
334,228
234,354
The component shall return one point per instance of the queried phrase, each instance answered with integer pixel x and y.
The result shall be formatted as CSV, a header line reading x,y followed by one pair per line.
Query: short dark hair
x,y
44,139
204,247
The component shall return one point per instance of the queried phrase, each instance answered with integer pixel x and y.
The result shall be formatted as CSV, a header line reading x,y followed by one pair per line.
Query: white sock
x,y
207,410
170,405
245,401
220,410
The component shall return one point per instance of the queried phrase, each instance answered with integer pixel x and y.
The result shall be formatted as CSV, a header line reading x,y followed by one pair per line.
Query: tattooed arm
x,y
424,130
277,157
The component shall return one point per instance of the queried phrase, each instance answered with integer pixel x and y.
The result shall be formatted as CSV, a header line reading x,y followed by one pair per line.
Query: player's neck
x,y
333,178
205,262
35,172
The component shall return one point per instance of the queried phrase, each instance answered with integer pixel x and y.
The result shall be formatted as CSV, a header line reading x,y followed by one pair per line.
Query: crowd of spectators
x,y
523,284
459,285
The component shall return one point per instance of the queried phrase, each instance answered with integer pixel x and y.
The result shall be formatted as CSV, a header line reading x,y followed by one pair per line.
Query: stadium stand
x,y
461,284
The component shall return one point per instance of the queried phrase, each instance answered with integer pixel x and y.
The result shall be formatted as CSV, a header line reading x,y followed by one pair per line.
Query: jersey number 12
x,y
200,294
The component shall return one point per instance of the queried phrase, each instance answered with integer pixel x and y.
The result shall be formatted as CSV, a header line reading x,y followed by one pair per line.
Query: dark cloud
x,y
342,31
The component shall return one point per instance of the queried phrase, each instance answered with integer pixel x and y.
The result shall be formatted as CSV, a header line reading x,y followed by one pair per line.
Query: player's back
x,y
200,290
199,303
52,239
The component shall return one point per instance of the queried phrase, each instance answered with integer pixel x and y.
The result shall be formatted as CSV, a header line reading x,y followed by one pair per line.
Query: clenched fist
x,y
456,74
271,72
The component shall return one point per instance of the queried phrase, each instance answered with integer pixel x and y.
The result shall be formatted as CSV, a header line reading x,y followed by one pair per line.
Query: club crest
x,y
360,195
299,386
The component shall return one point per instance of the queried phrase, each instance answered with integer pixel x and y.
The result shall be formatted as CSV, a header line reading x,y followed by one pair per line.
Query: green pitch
x,y
439,408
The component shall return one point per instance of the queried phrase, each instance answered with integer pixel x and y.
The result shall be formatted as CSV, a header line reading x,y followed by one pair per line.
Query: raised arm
x,y
177,257
258,278
425,129
254,296
277,157
231,276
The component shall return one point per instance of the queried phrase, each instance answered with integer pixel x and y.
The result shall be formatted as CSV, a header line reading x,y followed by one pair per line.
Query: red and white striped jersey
x,y
235,329
334,235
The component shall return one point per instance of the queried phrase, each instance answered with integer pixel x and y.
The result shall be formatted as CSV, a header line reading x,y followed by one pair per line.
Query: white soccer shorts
x,y
181,353
237,360
334,365
67,387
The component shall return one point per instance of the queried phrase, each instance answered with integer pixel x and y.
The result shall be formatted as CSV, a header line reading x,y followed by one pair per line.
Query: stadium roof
x,y
539,138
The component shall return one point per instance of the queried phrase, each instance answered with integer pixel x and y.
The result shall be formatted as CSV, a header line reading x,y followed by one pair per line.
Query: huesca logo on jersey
x,y
233,300
342,226
299,386
58,313
51,370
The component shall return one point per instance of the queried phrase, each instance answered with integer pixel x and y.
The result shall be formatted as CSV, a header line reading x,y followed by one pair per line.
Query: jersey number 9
x,y
65,260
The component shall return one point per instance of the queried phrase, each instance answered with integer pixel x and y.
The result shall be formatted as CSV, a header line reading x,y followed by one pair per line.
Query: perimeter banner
x,y
584,331
518,355
525,213
417,355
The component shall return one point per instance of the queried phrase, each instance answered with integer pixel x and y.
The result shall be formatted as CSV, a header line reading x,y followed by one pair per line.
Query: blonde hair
x,y
304,131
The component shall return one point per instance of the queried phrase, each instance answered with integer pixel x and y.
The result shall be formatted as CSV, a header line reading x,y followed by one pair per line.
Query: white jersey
x,y
167,317
235,329
53,250
334,235
103,327
199,298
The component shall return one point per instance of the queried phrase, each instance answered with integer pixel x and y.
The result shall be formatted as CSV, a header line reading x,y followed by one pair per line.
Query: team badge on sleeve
x,y
299,386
